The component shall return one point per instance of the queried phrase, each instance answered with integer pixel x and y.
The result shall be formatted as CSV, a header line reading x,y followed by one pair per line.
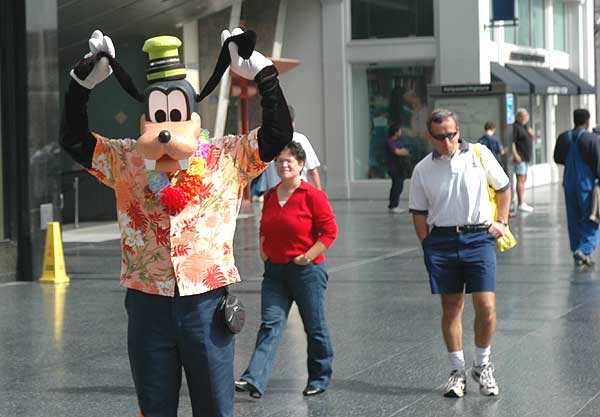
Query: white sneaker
x,y
484,375
456,385
396,210
526,208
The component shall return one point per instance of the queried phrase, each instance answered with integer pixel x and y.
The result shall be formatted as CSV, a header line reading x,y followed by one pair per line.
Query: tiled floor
x,y
63,350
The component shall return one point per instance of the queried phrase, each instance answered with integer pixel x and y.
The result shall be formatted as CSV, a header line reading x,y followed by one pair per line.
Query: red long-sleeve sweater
x,y
293,229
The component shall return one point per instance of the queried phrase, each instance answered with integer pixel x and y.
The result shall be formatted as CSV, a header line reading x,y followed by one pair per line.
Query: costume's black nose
x,y
164,136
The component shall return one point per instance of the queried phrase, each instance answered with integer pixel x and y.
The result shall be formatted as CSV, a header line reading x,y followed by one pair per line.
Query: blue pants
x,y
165,334
583,233
460,262
396,190
282,285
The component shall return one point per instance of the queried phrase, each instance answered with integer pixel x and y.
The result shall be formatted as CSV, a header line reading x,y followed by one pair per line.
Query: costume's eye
x,y
157,106
178,106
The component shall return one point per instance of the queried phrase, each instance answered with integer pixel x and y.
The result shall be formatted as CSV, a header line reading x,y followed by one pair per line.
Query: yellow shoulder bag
x,y
508,241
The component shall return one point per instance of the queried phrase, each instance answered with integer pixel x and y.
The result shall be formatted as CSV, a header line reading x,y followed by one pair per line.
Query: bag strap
x,y
478,154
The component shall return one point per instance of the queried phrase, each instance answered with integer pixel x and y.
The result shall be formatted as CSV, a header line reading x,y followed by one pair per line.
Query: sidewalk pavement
x,y
63,349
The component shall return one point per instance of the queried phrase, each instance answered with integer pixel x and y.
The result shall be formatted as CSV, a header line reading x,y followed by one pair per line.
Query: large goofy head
x,y
170,129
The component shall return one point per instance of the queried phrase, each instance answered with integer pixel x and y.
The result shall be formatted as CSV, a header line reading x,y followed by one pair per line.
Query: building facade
x,y
380,60
363,65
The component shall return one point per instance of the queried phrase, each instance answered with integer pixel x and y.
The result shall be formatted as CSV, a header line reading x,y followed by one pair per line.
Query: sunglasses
x,y
443,136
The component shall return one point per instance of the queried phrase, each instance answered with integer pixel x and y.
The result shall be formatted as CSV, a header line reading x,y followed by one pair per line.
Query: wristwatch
x,y
504,222
305,258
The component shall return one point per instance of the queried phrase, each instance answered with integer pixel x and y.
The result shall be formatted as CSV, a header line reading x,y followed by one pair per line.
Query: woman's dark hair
x,y
296,150
394,127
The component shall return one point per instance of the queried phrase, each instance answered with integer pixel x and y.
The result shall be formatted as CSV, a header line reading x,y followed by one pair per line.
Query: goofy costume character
x,y
178,195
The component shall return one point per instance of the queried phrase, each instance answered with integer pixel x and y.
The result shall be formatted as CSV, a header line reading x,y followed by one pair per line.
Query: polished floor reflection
x,y
63,349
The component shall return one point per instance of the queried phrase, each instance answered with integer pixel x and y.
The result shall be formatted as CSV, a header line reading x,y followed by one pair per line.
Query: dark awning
x,y
514,83
541,82
583,87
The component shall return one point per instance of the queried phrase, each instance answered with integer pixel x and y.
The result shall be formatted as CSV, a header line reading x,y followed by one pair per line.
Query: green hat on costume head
x,y
164,59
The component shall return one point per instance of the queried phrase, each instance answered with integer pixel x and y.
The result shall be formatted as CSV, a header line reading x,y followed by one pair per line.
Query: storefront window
x,y
558,10
384,96
523,28
530,28
374,19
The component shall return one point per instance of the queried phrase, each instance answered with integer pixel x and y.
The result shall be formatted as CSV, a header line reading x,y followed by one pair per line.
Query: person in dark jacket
x,y
397,161
492,142
579,151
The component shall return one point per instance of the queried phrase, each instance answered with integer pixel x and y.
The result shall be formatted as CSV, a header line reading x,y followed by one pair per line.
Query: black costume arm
x,y
589,147
276,129
75,137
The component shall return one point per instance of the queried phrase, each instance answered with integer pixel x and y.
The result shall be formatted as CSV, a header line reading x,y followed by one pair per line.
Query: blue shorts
x,y
521,169
459,261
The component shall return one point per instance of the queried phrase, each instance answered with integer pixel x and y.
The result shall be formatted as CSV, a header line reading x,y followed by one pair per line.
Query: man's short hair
x,y
394,127
440,116
292,112
489,125
581,117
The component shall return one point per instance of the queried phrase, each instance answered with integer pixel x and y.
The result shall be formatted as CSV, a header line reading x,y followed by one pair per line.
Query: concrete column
x,y
234,21
462,41
191,54
335,99
549,26
279,29
588,51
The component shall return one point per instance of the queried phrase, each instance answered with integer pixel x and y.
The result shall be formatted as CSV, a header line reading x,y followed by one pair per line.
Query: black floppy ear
x,y
122,76
246,42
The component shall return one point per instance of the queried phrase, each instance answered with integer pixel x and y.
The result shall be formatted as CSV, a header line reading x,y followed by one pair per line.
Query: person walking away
x,y
579,151
491,141
296,228
522,149
453,219
397,161
311,166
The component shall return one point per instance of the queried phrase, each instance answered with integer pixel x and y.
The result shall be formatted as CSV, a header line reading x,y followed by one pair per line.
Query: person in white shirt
x,y
310,173
453,219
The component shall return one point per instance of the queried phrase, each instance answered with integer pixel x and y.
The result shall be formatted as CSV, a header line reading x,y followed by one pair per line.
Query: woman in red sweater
x,y
296,228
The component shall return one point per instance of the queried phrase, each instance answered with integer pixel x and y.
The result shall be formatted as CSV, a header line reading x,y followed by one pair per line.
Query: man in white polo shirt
x,y
310,173
453,219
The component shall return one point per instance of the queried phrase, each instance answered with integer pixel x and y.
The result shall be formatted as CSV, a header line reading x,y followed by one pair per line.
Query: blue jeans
x,y
165,334
282,285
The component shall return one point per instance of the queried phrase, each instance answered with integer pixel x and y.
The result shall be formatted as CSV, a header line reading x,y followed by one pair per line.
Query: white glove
x,y
245,68
97,43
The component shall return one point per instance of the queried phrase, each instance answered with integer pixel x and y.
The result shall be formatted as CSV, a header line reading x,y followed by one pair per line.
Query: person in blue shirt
x,y
490,140
579,151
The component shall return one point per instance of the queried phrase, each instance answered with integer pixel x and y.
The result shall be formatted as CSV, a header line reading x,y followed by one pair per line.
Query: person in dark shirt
x,y
490,140
522,149
579,151
397,160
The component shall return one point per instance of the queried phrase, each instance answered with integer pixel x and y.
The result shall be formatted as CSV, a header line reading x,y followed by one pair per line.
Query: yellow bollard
x,y
54,260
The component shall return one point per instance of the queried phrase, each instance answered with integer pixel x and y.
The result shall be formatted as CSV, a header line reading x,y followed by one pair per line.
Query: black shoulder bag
x,y
232,312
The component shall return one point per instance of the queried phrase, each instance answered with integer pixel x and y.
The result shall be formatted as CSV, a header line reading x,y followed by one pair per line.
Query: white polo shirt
x,y
453,191
312,162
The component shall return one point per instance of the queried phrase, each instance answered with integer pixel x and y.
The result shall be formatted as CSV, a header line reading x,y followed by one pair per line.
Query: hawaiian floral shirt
x,y
192,249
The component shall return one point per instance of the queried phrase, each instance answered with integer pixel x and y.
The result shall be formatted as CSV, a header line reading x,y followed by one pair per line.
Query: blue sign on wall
x,y
510,109
503,10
